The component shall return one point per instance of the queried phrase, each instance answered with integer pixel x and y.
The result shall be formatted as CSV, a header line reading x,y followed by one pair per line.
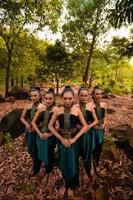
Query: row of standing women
x,y
76,129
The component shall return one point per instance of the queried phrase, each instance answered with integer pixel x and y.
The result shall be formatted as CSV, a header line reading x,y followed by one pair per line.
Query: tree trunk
x,y
8,73
22,81
17,80
57,86
85,76
12,82
90,81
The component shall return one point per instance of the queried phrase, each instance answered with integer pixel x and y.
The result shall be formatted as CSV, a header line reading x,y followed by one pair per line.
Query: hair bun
x,y
67,87
51,90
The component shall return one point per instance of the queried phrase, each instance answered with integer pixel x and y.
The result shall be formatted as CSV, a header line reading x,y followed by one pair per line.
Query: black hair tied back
x,y
82,88
67,89
35,89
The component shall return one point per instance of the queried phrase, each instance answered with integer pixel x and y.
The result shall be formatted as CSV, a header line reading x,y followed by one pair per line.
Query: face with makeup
x,y
97,94
83,96
49,99
35,96
68,99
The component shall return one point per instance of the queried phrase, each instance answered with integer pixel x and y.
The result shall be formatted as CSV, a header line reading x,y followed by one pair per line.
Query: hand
x,y
28,127
47,135
42,136
72,140
65,142
78,126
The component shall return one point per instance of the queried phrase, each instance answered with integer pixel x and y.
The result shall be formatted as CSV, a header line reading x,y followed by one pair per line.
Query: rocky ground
x,y
114,182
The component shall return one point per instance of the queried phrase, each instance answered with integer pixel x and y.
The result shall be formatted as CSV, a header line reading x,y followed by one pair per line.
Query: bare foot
x,y
61,192
70,193
86,178
92,172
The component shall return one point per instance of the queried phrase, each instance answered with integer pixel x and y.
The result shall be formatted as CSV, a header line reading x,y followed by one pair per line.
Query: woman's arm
x,y
35,125
105,116
94,117
65,142
82,130
23,120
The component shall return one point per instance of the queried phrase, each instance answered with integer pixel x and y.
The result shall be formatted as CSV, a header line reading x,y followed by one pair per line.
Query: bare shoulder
x,y
90,105
41,108
104,105
55,109
75,110
60,110
29,106
76,105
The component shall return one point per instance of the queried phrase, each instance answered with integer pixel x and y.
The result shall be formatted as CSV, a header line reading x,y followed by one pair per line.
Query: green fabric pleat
x,y
31,136
68,157
43,148
99,136
99,133
87,142
45,145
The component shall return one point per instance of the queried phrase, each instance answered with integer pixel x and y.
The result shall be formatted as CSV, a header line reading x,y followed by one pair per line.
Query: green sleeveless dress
x,y
30,136
46,147
99,135
31,141
99,131
68,157
87,140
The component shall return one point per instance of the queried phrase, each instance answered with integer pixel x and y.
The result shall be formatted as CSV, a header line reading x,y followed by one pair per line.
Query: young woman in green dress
x,y
68,144
46,141
87,140
26,118
100,108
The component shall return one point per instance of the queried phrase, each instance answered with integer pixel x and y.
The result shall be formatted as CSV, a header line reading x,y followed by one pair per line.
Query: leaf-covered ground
x,y
114,182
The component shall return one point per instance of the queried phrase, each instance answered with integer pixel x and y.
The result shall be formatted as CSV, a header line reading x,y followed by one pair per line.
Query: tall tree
x,y
57,64
86,21
17,15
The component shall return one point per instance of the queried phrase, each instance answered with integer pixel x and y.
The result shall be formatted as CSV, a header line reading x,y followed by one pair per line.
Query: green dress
x,y
46,147
99,134
99,131
68,157
31,141
87,140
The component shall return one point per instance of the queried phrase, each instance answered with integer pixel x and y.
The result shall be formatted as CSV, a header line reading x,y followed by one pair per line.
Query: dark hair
x,y
67,89
82,88
50,91
32,89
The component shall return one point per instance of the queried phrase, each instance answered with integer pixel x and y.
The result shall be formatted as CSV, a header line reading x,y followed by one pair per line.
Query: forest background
x,y
81,54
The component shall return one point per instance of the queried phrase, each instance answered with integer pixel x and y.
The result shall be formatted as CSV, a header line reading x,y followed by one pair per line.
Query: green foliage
x,y
8,139
121,13
32,187
85,22
57,63
17,16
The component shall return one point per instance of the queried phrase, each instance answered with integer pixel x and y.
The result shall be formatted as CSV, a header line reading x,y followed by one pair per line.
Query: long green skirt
x,y
46,151
31,142
33,150
87,146
68,160
99,136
